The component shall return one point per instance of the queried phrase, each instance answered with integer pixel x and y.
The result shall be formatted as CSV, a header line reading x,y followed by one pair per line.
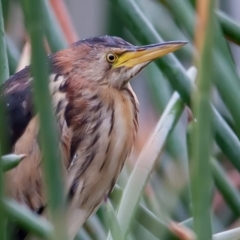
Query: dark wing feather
x,y
16,94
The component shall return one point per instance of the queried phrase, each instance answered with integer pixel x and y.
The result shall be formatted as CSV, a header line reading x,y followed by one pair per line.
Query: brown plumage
x,y
97,120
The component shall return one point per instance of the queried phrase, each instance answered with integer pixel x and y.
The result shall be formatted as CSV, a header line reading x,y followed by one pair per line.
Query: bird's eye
x,y
111,57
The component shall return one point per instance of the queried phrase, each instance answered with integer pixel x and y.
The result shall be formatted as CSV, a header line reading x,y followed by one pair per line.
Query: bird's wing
x,y
16,93
25,183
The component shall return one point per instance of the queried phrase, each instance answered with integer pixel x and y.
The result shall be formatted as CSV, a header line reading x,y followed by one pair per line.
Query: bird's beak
x,y
145,54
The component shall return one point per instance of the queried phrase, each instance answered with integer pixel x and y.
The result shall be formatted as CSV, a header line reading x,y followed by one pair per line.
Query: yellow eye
x,y
111,57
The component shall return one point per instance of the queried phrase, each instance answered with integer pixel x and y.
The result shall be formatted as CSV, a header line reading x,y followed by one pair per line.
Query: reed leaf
x,y
48,134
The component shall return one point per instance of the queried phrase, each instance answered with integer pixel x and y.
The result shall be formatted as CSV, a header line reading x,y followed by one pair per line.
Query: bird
x,y
96,116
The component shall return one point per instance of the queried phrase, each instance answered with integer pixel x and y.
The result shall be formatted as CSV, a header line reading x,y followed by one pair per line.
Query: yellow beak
x,y
145,54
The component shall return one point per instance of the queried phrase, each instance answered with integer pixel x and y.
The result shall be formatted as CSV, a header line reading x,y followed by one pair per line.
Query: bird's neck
x,y
107,116
85,97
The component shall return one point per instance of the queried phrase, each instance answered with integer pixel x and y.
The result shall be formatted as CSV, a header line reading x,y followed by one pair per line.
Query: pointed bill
x,y
145,54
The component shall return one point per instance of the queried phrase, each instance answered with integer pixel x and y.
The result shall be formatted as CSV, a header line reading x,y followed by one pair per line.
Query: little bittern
x,y
97,118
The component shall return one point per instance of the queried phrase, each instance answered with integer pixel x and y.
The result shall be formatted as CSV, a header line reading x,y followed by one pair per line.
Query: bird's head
x,y
109,60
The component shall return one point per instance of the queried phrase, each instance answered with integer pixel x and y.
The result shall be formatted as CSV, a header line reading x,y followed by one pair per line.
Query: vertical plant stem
x,y
4,73
113,223
230,28
52,164
4,70
202,136
52,29
60,9
13,55
5,9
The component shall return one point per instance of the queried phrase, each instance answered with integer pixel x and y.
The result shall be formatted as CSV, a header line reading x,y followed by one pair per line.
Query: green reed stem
x,y
4,73
52,162
202,130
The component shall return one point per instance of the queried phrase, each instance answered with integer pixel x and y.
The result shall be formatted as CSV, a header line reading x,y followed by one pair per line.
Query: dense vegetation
x,y
184,183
